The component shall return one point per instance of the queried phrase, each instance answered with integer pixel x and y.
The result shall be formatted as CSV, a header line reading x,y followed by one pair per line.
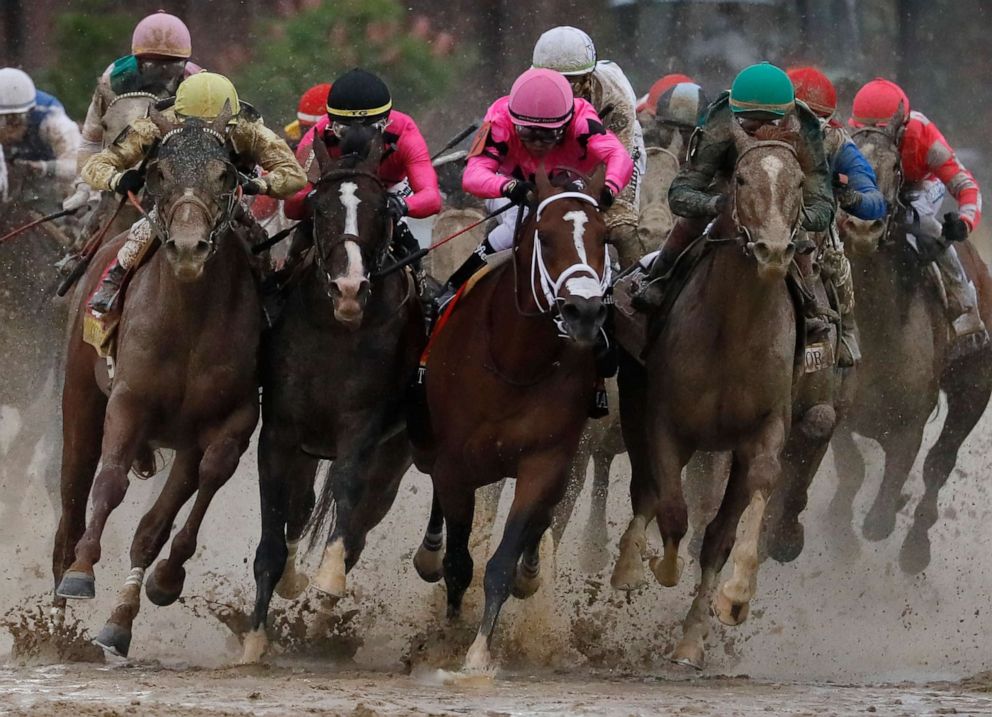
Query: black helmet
x,y
358,95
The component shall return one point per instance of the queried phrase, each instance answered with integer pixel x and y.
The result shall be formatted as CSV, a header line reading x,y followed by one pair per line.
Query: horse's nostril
x,y
171,248
202,247
877,225
570,312
364,289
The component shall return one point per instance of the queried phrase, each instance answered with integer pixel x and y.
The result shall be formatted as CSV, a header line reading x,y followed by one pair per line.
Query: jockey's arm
x,y
605,147
690,194
62,136
426,198
870,204
818,189
295,206
482,178
92,135
961,183
284,175
126,151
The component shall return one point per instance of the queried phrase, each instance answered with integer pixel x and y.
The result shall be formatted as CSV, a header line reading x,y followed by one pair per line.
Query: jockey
x,y
929,167
312,107
159,61
855,190
203,96
761,94
360,97
649,102
36,134
679,110
539,122
602,83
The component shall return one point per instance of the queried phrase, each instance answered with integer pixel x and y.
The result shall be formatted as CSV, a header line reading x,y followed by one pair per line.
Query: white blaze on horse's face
x,y
584,286
768,202
350,200
350,290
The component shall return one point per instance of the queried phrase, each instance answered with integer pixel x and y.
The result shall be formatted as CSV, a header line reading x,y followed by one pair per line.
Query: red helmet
x,y
313,104
161,34
815,89
877,102
660,87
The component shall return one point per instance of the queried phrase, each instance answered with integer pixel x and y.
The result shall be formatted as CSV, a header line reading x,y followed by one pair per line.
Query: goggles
x,y
540,135
338,128
14,119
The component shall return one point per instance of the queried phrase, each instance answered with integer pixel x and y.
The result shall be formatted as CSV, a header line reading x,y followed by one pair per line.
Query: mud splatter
x,y
43,636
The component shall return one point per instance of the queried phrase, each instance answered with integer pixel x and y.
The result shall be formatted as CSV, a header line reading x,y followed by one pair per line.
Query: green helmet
x,y
762,88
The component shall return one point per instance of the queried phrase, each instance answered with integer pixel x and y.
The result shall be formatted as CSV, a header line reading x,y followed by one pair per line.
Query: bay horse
x,y
185,377
510,381
904,334
719,377
335,369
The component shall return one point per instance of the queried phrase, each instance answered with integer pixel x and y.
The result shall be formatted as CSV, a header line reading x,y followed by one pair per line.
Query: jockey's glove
x,y
253,185
77,199
396,207
519,191
847,198
606,197
130,181
955,228
38,167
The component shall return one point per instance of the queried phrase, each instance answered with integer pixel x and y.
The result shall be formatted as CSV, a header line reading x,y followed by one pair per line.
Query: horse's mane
x,y
791,137
355,145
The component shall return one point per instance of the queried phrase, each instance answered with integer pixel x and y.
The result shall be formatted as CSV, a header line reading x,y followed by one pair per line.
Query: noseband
x,y
743,233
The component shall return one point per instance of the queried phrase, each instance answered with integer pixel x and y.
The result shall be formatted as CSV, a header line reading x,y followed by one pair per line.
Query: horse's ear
x,y
162,122
320,154
220,121
542,180
596,181
896,122
374,156
741,138
790,121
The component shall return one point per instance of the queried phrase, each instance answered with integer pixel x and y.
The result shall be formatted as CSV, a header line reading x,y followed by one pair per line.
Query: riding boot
x,y
970,334
475,261
651,292
110,288
406,245
817,326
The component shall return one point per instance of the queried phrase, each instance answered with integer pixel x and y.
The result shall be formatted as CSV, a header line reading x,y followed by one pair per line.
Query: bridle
x,y
227,200
742,232
896,202
322,252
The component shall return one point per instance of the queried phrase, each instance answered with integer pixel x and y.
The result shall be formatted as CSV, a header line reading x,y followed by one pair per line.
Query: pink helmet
x,y
162,34
541,98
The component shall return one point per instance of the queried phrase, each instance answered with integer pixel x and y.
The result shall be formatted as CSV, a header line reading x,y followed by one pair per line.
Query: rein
x,y
130,95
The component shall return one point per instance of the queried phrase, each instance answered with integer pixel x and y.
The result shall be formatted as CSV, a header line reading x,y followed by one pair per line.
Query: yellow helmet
x,y
203,95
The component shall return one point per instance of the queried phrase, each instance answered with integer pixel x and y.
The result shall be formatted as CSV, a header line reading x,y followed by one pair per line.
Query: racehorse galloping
x,y
334,373
530,394
719,377
905,339
186,377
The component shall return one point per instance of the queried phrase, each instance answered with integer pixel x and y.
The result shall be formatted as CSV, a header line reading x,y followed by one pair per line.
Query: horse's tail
x,y
322,515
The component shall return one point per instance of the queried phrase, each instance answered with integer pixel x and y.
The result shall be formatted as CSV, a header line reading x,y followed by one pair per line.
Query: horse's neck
x,y
885,283
735,298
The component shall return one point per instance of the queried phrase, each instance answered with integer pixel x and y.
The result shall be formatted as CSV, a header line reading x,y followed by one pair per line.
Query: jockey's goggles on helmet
x,y
14,119
338,128
540,135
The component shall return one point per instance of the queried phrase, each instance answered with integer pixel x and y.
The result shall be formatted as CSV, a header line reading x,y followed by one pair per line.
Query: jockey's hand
x,y
253,185
37,167
847,198
396,207
606,197
955,228
519,191
129,181
77,199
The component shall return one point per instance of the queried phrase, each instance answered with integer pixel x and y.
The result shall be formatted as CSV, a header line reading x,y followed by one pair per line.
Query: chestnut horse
x,y
719,377
904,336
335,370
520,346
185,378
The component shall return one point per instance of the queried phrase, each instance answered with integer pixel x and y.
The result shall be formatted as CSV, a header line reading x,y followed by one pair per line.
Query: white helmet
x,y
565,49
17,93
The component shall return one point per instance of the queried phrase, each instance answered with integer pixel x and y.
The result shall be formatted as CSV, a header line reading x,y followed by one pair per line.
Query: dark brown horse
x,y
185,378
530,388
719,376
904,334
334,373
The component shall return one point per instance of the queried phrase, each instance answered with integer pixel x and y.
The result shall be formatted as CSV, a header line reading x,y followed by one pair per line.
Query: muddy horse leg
x,y
967,399
427,559
669,456
718,540
220,459
595,556
121,440
540,484
284,474
153,530
849,465
901,447
458,507
576,479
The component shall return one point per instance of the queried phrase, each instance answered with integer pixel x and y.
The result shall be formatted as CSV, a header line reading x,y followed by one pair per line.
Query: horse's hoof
x,y
689,653
291,585
429,564
666,574
728,612
525,585
330,577
255,645
77,585
787,543
478,658
114,639
914,556
158,587
628,573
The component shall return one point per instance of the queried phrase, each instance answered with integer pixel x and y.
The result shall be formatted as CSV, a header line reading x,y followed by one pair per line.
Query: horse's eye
x,y
740,180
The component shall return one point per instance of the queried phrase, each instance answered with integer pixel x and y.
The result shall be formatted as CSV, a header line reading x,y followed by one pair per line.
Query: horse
x,y
718,377
904,334
185,377
502,344
335,369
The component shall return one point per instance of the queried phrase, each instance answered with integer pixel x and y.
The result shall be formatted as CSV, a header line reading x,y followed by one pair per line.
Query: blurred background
x,y
446,60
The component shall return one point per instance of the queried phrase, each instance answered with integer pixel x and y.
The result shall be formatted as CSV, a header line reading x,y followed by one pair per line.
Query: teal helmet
x,y
762,88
